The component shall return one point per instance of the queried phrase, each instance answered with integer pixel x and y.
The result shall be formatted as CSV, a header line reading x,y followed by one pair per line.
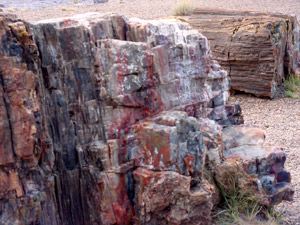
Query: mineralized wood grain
x,y
105,120
76,100
256,49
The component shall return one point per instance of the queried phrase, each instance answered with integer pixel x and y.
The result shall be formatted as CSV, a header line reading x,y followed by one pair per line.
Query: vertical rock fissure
x,y
63,199
83,200
98,100
229,72
287,62
97,87
7,107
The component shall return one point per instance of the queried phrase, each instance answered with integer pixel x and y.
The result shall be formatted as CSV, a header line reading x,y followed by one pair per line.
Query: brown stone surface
x,y
110,121
256,49
168,198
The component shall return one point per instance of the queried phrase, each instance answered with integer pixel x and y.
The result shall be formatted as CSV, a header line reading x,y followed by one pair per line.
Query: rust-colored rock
x,y
256,49
18,100
168,198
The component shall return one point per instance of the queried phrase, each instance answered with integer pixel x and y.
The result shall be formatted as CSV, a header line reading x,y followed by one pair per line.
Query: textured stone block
x,y
169,141
257,170
167,198
256,49
110,121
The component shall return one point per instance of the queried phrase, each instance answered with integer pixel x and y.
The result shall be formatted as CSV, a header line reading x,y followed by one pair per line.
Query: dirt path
x,y
280,118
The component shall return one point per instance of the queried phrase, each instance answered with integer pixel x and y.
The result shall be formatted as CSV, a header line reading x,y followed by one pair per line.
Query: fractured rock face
x,y
172,142
167,198
258,171
112,121
256,49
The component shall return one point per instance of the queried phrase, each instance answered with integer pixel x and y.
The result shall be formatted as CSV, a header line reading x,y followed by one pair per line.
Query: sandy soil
x,y
280,118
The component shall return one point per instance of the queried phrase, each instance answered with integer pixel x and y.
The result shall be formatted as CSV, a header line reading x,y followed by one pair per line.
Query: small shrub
x,y
290,94
184,8
292,85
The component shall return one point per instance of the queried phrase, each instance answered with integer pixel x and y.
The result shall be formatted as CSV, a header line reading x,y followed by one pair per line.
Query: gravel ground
x,y
36,4
147,9
280,118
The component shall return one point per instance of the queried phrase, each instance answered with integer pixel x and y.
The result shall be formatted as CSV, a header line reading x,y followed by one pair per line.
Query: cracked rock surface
x,y
106,120
257,49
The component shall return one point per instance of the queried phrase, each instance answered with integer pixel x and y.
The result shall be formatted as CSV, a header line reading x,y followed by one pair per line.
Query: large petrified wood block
x,y
105,120
256,49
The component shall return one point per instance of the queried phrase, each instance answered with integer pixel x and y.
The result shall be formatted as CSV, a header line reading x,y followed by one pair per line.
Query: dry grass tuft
x,y
184,8
10,9
240,208
292,85
66,9
253,220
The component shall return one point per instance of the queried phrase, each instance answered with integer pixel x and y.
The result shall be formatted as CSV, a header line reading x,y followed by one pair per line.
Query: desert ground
x,y
34,10
280,117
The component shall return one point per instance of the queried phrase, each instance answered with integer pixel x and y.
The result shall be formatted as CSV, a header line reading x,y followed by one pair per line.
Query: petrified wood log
x,y
105,120
256,49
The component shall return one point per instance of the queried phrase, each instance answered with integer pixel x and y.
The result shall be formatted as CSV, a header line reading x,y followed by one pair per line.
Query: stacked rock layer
x,y
256,49
105,120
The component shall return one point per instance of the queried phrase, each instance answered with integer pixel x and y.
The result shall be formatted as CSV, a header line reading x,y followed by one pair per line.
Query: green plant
x,y
241,208
292,84
184,8
272,214
290,94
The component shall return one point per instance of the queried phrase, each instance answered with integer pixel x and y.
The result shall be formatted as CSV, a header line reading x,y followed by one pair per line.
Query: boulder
x,y
168,198
109,120
254,170
256,49
237,156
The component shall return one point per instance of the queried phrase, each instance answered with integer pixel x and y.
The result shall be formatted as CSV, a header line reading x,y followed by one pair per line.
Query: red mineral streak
x,y
189,162
155,146
18,86
69,22
150,76
122,207
119,125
